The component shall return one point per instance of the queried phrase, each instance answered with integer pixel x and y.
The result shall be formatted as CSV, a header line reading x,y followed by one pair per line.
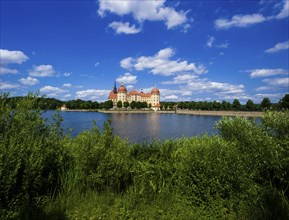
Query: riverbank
x,y
134,111
221,113
79,110
188,112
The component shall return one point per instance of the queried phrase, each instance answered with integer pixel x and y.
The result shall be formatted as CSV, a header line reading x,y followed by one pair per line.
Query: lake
x,y
142,127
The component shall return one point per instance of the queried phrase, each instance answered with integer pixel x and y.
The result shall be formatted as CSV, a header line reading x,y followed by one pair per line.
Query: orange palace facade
x,y
121,94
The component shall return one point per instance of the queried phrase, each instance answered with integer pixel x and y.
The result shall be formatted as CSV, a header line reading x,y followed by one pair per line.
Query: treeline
x,y
52,103
225,105
242,173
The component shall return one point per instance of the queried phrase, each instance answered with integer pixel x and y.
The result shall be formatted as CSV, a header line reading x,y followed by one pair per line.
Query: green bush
x,y
31,156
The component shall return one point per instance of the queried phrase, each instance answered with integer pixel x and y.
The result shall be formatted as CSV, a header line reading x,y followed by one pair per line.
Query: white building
x,y
121,94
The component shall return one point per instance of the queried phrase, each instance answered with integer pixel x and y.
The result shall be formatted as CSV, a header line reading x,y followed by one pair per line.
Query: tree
x,y
226,105
119,104
266,103
250,105
138,105
125,104
133,104
236,104
284,102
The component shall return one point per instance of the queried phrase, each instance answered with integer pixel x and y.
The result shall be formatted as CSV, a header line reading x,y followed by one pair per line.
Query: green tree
x,y
133,104
250,105
236,104
119,104
284,102
125,104
144,104
138,105
265,104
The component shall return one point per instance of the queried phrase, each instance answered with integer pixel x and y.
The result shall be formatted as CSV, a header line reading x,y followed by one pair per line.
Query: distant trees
x,y
52,103
236,104
250,105
284,102
265,104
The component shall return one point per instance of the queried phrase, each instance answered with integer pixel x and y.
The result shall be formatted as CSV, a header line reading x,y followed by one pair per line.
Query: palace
x,y
121,94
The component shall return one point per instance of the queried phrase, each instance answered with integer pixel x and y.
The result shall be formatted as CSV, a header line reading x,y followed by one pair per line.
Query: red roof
x,y
122,89
112,95
155,91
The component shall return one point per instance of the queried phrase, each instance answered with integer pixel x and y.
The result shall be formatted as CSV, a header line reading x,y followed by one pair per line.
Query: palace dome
x,y
155,91
122,89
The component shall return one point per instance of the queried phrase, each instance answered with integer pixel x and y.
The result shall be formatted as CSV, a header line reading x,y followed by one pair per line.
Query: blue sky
x,y
191,50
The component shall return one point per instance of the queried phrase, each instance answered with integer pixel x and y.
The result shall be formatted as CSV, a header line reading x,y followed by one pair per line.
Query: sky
x,y
191,50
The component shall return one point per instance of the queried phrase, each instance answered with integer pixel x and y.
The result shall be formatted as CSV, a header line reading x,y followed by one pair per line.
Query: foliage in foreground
x,y
240,174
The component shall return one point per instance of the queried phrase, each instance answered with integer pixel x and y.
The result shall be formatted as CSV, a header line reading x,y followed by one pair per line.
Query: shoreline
x,y
188,112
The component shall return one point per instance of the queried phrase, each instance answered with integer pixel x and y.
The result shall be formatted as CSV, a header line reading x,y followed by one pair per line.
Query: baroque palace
x,y
121,94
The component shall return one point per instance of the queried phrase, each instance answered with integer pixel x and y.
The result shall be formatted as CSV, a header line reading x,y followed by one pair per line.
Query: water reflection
x,y
136,127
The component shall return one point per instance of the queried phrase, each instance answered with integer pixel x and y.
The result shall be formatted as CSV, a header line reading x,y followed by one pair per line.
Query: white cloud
x,y
67,85
162,64
239,21
278,47
171,97
285,11
210,41
4,70
42,71
12,56
144,10
124,28
181,79
127,78
93,94
263,88
129,86
67,74
278,82
96,64
126,63
267,72
4,86
29,81
223,46
250,19
51,89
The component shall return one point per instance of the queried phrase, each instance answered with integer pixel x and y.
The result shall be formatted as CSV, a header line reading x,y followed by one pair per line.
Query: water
x,y
140,127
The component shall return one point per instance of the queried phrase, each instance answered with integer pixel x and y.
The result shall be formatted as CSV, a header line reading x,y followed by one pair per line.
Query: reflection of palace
x,y
120,94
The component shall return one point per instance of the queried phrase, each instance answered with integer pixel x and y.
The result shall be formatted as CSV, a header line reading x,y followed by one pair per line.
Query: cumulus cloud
x,y
52,90
93,94
278,47
144,11
4,70
126,63
42,71
12,56
181,79
162,64
250,19
239,21
124,28
66,74
127,78
210,41
29,81
171,97
67,85
283,82
266,72
284,13
7,86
